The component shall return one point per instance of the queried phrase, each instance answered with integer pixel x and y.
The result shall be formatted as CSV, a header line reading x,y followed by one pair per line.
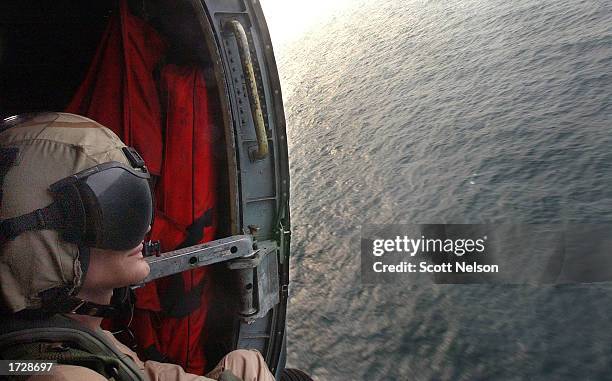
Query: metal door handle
x,y
253,94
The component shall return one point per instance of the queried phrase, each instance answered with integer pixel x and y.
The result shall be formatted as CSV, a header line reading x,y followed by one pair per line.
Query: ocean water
x,y
447,112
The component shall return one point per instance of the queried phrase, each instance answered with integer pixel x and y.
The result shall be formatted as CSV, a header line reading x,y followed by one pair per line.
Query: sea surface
x,y
447,112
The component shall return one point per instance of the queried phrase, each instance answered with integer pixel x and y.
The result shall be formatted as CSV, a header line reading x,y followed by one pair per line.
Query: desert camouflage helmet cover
x,y
51,146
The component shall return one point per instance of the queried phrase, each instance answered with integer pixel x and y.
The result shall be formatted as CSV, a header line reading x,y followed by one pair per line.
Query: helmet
x,y
67,184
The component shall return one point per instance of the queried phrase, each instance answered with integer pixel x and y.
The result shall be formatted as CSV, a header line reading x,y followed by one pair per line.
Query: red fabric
x,y
119,90
186,191
121,93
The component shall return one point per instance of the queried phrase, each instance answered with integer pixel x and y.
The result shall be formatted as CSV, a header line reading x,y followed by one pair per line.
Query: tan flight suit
x,y
248,365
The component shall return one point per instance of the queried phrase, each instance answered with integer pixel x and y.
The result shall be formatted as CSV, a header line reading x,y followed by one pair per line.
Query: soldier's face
x,y
110,269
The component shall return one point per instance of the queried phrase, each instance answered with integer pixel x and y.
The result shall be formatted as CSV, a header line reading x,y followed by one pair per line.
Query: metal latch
x,y
188,258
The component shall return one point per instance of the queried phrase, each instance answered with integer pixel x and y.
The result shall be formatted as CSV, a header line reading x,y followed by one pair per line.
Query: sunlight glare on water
x,y
288,20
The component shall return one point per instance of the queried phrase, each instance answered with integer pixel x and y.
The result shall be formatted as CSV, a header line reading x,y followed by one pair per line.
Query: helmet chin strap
x,y
57,300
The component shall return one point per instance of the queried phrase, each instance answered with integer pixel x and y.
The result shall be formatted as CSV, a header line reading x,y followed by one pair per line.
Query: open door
x,y
259,170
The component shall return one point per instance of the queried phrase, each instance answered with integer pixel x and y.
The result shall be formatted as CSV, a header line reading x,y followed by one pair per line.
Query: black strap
x,y
57,300
176,302
49,217
195,231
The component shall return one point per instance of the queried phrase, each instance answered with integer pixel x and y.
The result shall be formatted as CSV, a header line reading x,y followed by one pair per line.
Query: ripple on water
x,y
465,112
